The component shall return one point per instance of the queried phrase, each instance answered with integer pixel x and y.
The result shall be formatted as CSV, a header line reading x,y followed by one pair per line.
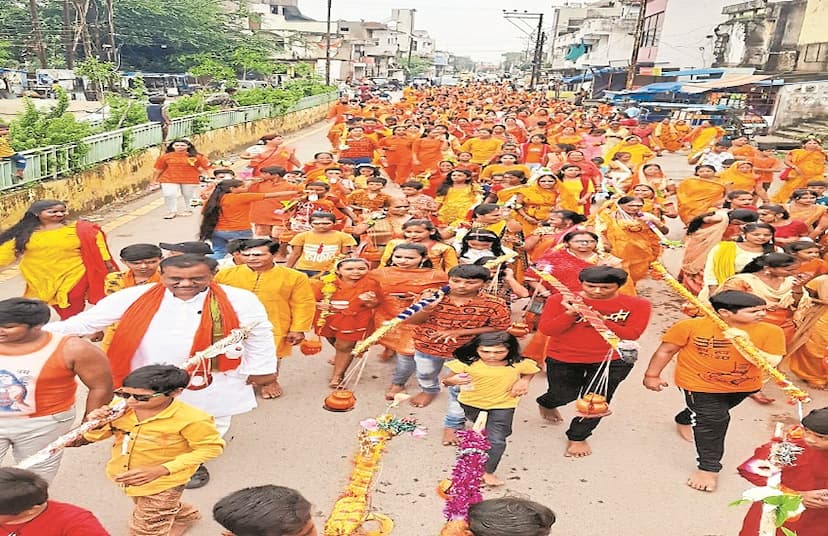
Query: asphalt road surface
x,y
633,484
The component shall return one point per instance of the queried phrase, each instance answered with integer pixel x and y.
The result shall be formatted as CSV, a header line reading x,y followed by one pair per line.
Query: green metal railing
x,y
60,160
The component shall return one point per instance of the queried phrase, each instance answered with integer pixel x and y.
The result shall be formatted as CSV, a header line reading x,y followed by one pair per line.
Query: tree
x,y
213,67
253,56
416,66
101,73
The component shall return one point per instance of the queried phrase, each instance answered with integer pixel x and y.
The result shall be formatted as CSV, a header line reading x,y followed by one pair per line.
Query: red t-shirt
x,y
59,519
793,229
574,341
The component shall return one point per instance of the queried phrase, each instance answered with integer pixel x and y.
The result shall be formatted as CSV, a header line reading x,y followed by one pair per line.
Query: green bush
x,y
189,105
40,128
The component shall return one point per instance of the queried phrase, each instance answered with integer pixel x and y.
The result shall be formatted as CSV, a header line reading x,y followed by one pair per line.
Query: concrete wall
x,y
684,33
116,180
813,27
796,103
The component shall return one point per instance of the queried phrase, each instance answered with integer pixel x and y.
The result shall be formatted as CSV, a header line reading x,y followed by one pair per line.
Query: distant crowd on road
x,y
510,230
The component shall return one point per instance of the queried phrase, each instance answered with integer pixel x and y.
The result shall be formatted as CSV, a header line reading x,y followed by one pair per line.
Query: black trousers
x,y
709,415
568,382
498,428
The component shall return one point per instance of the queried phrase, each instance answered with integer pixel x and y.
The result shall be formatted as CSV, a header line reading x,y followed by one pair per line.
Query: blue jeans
x,y
220,238
455,416
498,428
18,159
404,367
428,371
361,160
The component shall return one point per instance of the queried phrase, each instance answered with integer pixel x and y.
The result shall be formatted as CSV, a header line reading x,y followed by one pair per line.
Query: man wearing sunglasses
x,y
170,321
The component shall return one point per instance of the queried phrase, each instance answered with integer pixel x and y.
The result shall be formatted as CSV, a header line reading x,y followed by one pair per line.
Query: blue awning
x,y
586,77
657,87
692,72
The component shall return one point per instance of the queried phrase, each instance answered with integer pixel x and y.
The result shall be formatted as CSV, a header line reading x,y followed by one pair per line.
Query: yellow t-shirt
x,y
320,249
482,150
491,385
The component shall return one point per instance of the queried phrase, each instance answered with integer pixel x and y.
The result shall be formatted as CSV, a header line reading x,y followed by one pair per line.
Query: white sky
x,y
473,28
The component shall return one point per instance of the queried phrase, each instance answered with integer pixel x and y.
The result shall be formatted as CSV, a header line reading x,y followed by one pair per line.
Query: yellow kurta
x,y
456,203
286,294
51,265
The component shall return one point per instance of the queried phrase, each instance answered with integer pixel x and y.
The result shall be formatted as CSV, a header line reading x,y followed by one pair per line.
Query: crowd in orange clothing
x,y
480,195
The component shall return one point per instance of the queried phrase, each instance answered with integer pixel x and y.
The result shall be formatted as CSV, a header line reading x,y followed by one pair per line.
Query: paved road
x,y
632,485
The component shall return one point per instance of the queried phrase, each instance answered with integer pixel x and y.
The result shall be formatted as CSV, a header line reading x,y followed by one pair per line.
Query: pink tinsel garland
x,y
467,474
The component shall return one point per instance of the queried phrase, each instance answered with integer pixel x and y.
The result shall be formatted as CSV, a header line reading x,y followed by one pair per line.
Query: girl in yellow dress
x,y
456,196
63,264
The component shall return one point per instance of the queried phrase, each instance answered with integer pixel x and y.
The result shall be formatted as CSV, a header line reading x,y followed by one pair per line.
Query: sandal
x,y
170,216
335,382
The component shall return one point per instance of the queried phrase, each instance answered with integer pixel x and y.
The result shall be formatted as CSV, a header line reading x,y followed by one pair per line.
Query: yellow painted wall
x,y
117,180
814,23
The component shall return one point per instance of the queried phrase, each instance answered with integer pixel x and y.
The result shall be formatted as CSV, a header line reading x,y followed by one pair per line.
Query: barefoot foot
x,y
422,400
270,391
685,431
335,381
703,480
762,398
577,449
393,390
491,480
551,415
450,437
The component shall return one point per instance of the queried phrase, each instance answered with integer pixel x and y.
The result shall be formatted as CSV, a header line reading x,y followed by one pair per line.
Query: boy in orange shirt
x,y
713,375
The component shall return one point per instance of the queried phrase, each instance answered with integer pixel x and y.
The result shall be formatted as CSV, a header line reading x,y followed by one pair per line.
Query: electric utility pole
x,y
518,20
638,37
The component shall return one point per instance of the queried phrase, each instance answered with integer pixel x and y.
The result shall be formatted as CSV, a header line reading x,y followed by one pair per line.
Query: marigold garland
x,y
328,290
351,510
742,343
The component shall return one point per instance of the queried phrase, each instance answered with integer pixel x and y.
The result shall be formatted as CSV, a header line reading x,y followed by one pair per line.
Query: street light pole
x,y
328,45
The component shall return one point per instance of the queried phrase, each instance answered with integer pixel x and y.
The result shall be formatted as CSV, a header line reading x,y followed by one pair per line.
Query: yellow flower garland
x,y
328,290
742,343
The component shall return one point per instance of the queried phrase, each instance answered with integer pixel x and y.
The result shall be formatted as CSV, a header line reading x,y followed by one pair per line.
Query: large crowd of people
x,y
524,225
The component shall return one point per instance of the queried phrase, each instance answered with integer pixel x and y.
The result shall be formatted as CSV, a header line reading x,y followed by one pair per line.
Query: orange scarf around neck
x,y
218,318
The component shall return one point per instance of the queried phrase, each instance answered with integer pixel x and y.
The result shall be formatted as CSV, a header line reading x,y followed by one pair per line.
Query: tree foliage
x,y
149,36
416,66
53,126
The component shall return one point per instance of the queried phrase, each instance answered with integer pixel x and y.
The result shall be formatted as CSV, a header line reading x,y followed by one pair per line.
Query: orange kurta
x,y
395,280
352,319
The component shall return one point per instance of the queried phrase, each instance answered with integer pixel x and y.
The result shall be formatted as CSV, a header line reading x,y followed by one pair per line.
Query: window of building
x,y
344,29
652,29
816,52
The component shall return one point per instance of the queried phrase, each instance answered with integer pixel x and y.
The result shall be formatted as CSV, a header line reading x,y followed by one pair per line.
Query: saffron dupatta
x,y
218,318
93,261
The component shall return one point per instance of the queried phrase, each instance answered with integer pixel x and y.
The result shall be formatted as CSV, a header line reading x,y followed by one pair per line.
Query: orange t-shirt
x,y
281,156
235,211
709,363
181,168
765,162
397,149
359,148
264,212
